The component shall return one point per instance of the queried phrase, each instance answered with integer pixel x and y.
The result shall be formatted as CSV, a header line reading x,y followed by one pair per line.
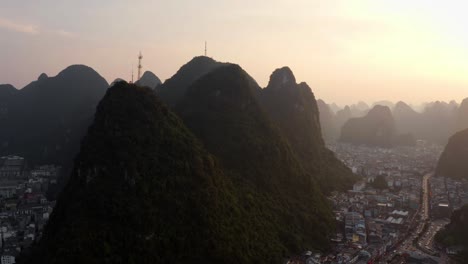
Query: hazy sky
x,y
346,50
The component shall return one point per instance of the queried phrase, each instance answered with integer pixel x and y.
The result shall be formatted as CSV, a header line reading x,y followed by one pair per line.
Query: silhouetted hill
x,y
455,234
377,128
334,107
116,81
294,108
462,116
42,77
149,79
174,88
327,122
47,118
442,114
360,109
222,110
423,125
362,106
7,90
452,162
406,119
386,103
342,116
143,190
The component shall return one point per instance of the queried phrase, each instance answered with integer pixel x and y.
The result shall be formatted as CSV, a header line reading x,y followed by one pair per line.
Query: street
x,y
421,239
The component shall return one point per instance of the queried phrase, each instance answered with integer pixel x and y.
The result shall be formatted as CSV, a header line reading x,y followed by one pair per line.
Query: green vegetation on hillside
x,y
143,190
221,109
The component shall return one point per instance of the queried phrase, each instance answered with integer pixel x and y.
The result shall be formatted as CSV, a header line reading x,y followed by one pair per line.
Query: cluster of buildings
x,y
373,222
24,206
447,195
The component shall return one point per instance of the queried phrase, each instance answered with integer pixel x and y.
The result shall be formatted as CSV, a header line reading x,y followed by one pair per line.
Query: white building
x,y
7,259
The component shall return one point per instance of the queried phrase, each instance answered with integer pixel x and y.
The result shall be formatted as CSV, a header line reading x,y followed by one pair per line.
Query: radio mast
x,y
206,49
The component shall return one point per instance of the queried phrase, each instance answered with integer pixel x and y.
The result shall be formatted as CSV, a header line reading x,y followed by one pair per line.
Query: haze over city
x,y
347,51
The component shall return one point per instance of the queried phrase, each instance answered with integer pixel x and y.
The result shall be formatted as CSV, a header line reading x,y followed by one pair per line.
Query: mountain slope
x,y
7,91
327,121
342,116
406,119
144,190
222,110
462,116
452,163
47,118
294,108
442,114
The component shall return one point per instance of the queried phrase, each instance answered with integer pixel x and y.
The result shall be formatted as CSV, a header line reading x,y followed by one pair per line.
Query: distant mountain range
x,y
449,117
377,128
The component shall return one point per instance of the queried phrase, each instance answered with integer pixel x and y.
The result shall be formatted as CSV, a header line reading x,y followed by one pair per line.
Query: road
x,y
425,196
421,218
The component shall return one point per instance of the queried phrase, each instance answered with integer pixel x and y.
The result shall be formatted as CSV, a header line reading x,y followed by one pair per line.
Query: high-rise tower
x,y
139,65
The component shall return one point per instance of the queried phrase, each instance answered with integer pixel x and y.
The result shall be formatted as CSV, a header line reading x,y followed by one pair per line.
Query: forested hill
x,y
144,190
222,110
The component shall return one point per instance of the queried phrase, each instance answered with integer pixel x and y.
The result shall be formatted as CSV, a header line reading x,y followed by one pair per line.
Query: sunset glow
x,y
345,50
